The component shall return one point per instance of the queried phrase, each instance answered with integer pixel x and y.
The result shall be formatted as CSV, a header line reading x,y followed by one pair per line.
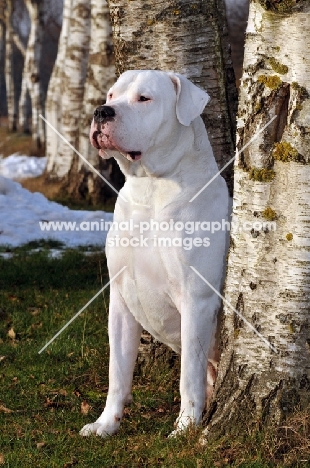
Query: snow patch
x,y
18,166
21,211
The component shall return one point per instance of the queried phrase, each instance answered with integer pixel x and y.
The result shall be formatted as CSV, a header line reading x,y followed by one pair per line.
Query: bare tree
x,y
9,78
75,68
2,47
83,182
31,82
264,376
54,94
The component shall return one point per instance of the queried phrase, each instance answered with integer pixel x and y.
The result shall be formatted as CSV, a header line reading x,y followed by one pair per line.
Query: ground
x,y
46,398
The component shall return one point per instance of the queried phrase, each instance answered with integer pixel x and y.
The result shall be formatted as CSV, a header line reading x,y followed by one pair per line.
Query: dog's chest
x,y
147,288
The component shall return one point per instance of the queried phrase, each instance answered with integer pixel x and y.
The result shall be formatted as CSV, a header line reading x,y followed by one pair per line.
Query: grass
x,y
45,399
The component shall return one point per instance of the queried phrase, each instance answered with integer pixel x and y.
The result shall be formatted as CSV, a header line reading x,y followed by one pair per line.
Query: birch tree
x,y
31,81
54,95
100,77
2,43
73,81
268,270
9,78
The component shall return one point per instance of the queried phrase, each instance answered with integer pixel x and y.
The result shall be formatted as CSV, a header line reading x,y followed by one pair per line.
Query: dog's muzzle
x,y
103,113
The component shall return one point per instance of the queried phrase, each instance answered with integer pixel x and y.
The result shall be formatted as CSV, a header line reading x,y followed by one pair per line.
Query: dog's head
x,y
145,110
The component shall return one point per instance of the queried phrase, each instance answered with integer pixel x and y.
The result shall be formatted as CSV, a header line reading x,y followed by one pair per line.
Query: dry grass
x,y
287,446
39,184
16,142
291,441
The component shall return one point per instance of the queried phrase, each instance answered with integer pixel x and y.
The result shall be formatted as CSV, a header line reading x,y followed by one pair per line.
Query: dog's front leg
x,y
124,338
197,325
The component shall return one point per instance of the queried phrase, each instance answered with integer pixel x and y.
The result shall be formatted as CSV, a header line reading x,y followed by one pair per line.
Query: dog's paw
x,y
95,428
183,424
175,433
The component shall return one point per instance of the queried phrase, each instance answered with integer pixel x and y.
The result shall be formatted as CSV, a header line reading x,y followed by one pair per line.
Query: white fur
x,y
158,290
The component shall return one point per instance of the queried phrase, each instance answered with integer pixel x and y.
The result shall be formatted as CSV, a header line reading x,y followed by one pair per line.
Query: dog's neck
x,y
173,158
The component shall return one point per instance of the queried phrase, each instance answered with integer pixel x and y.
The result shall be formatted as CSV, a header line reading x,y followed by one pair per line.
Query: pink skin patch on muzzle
x,y
99,134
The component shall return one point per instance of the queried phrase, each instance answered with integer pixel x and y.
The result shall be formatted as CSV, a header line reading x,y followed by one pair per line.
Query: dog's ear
x,y
191,100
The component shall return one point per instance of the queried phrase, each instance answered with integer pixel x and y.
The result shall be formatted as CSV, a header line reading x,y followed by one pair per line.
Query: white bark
x,y
268,271
72,90
31,81
2,45
54,94
9,79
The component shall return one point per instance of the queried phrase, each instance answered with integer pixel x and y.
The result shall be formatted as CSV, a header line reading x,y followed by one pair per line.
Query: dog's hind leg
x,y
124,339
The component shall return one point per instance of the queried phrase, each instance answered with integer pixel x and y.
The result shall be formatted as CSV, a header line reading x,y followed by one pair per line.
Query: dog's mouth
x,y
98,144
95,136
134,155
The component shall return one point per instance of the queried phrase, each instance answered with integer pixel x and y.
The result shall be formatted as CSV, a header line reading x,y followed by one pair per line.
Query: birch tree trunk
x,y
189,38
268,270
100,77
9,78
54,95
73,79
31,81
2,50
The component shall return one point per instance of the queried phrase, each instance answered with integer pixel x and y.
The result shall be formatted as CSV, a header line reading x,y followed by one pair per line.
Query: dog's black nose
x,y
103,113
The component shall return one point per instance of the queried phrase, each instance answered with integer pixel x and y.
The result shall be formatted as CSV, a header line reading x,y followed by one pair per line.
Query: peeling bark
x,y
268,270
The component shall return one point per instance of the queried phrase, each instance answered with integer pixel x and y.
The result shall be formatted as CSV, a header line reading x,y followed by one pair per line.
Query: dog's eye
x,y
110,96
143,99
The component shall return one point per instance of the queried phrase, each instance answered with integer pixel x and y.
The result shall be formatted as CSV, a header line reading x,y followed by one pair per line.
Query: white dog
x,y
151,124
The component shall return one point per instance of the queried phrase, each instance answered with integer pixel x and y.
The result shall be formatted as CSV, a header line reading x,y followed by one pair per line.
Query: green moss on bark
x,y
282,6
272,82
285,152
261,175
269,214
277,66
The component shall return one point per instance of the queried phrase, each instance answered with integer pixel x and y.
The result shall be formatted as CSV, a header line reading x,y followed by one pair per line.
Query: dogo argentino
x,y
151,125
